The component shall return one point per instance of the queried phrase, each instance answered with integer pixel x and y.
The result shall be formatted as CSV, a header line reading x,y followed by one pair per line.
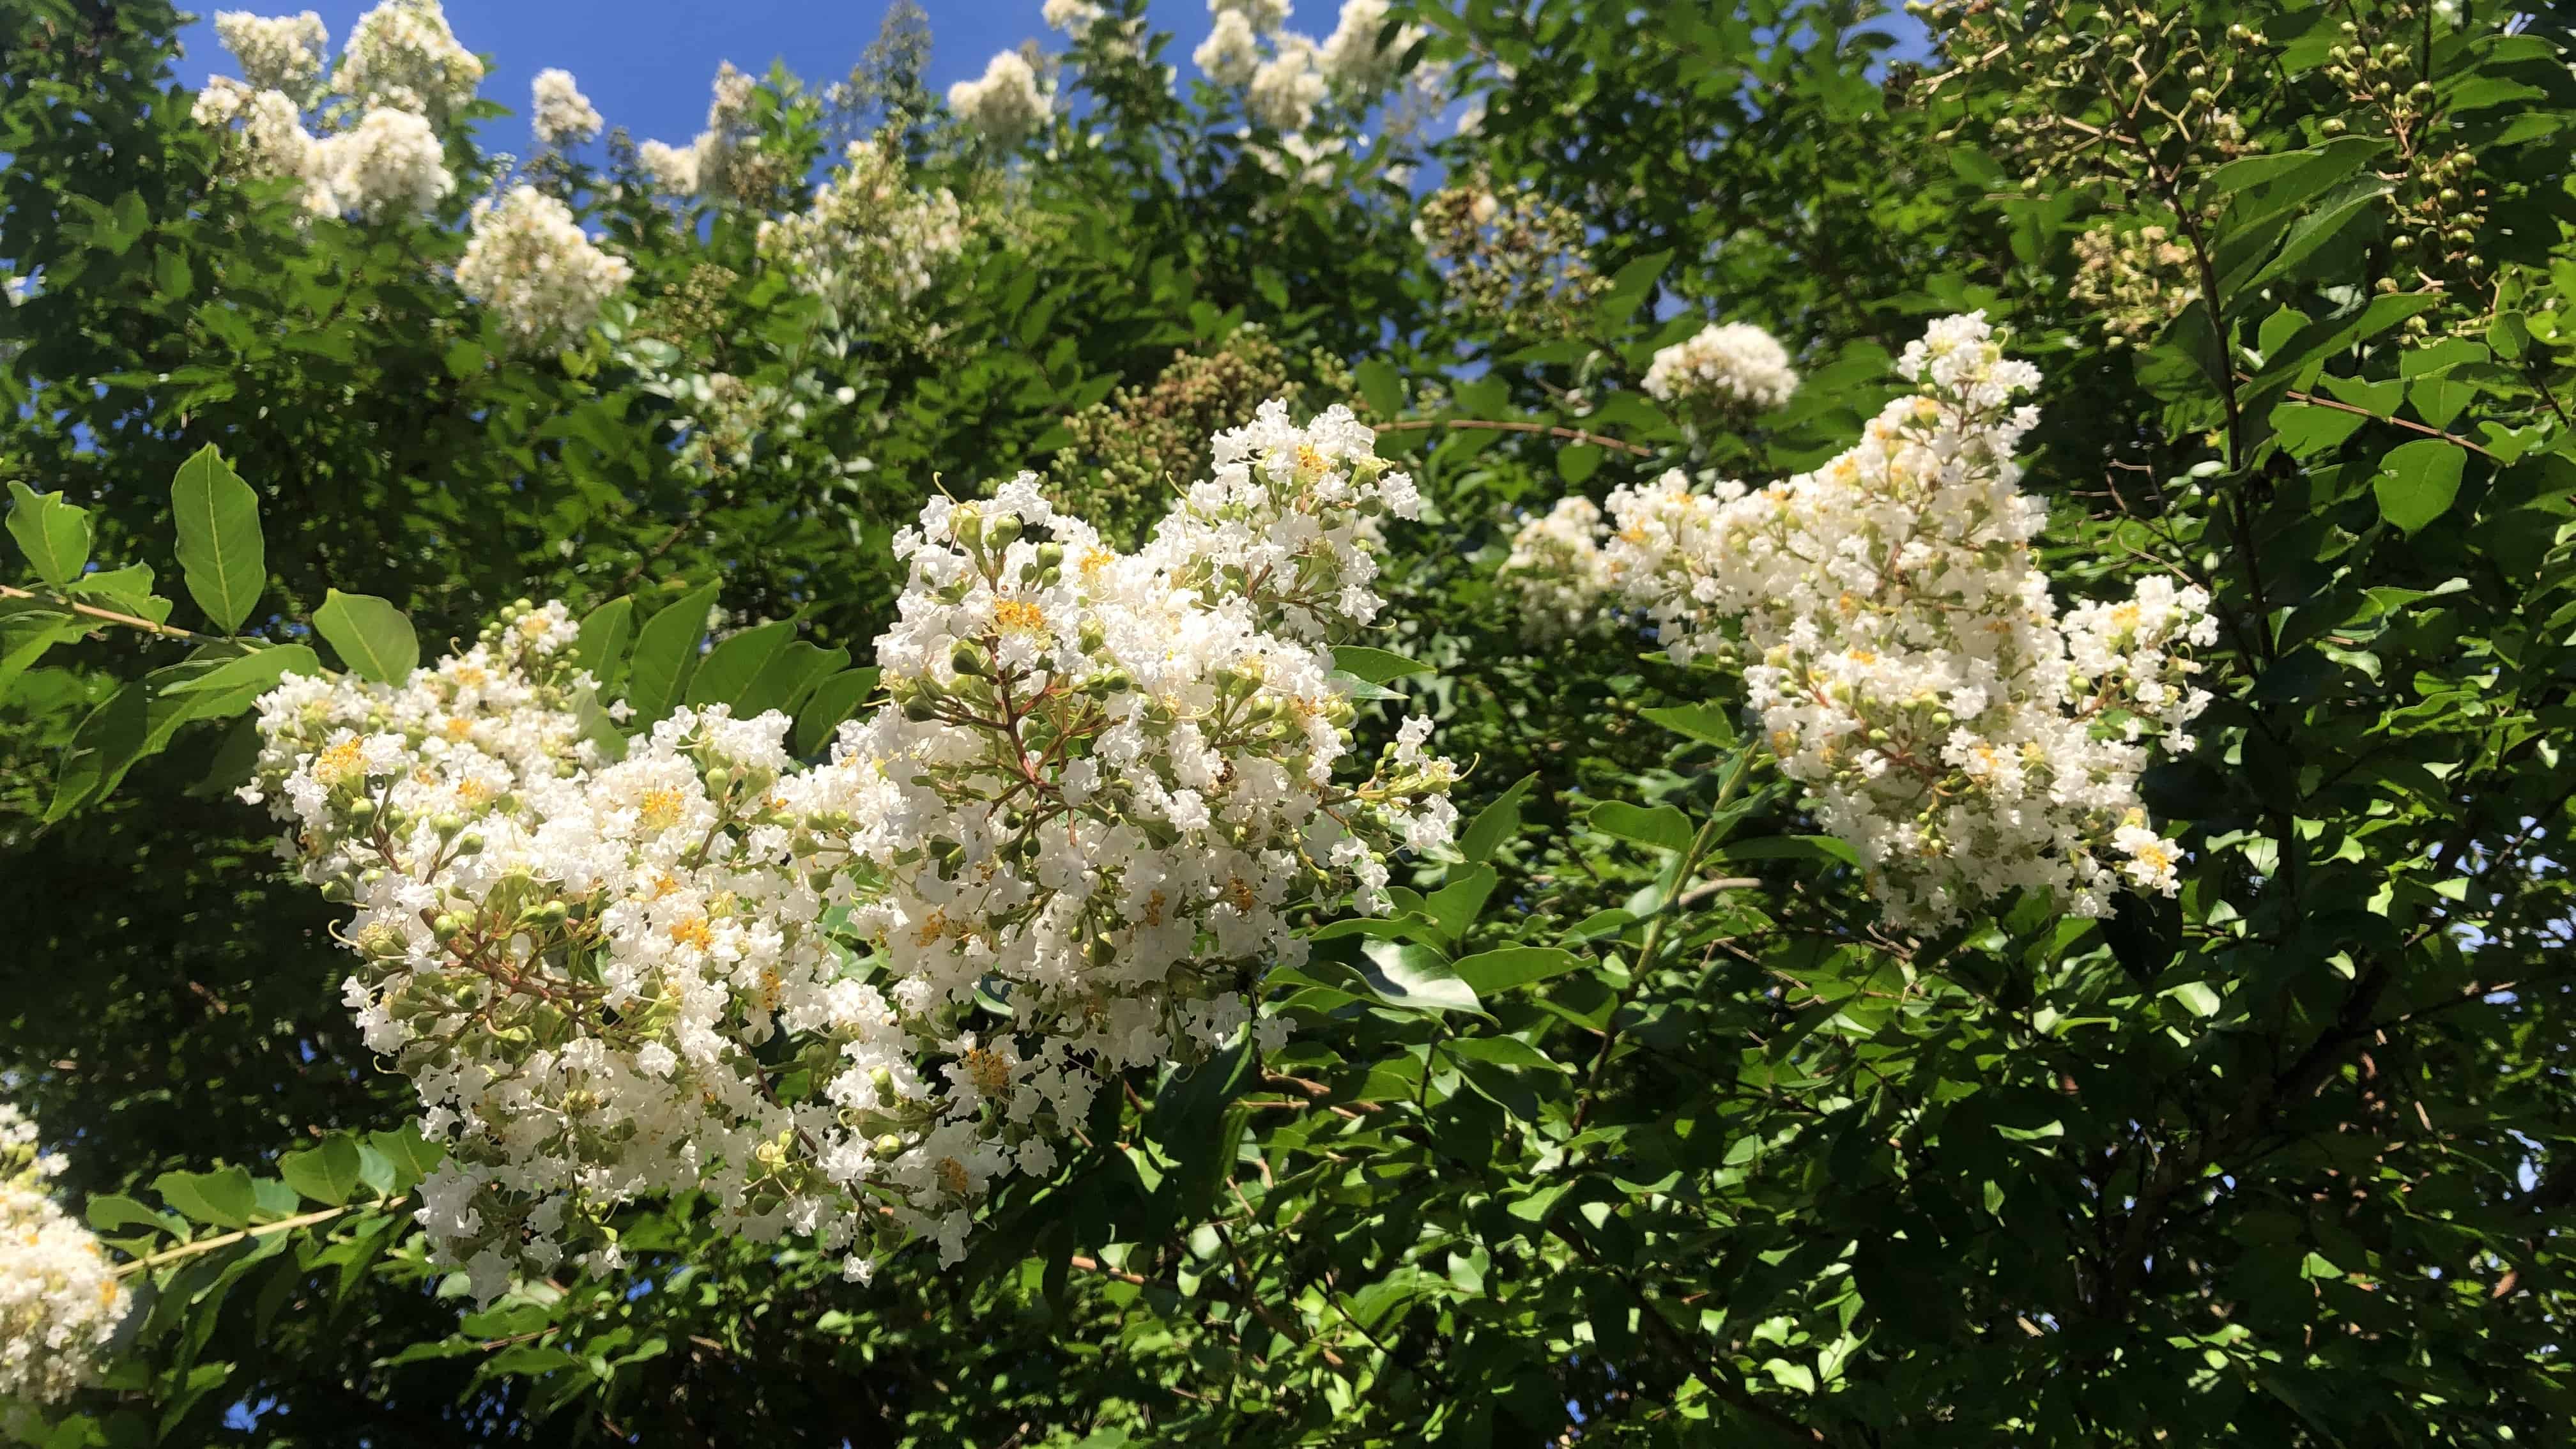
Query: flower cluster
x,y
402,73
1905,654
707,166
564,116
1284,89
1558,571
1512,259
531,265
60,1300
845,1001
1005,104
1733,367
403,57
870,243
284,53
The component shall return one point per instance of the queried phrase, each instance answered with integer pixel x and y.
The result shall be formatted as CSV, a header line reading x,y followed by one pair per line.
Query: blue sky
x,y
646,63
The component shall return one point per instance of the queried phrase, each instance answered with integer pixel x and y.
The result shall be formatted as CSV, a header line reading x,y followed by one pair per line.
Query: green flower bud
x,y
1005,531
966,659
889,1145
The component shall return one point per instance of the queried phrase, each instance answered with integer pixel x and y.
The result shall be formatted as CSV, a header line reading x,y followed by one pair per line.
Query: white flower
x,y
60,1299
1904,654
1073,17
531,265
1264,16
1733,366
1005,103
284,53
1558,569
1286,88
1232,51
563,115
1352,57
402,55
871,242
390,164
674,169
682,914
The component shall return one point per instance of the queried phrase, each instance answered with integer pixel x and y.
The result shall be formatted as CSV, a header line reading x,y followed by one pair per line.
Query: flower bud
x,y
889,1145
966,659
1004,531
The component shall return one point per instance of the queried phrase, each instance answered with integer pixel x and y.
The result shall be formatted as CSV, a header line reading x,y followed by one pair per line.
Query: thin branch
x,y
2312,400
109,616
1577,435
208,1245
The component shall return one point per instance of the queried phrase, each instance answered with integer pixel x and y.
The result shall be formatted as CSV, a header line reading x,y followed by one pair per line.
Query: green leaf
x,y
262,667
2197,997
1576,462
221,555
1661,827
1703,722
2305,428
601,647
53,534
666,649
371,636
413,1156
131,724
833,700
1497,822
1416,977
1380,385
1504,1051
327,1172
791,672
1488,972
727,672
1455,906
1377,666
109,1211
2417,482
2352,207
1793,847
223,1198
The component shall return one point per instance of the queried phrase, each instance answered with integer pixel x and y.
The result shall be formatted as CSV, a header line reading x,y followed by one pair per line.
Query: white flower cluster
x,y
1284,89
1558,570
1005,103
402,69
705,165
1073,17
1352,56
845,1001
531,265
60,1299
403,57
1905,655
1735,367
871,242
284,53
563,115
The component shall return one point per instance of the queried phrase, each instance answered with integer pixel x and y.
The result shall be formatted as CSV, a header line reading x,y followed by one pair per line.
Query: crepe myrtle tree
x,y
1801,726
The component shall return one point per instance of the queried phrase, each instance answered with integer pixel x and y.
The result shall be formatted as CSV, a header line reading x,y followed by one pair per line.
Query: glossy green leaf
x,y
666,651
373,638
2417,482
221,554
53,534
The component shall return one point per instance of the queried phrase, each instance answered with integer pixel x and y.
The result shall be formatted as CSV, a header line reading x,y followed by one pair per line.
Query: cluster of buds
x,y
1512,258
60,1299
1132,450
2136,280
2105,93
846,1000
871,242
1903,653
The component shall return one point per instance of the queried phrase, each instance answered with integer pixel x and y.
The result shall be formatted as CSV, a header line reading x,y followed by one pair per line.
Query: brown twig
x,y
2312,400
110,616
1576,435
